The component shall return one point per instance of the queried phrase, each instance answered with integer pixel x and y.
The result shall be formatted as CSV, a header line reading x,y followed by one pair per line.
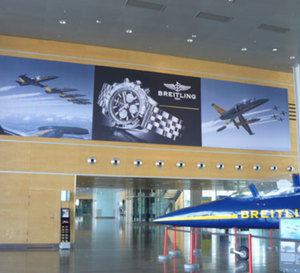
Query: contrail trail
x,y
257,112
20,96
7,88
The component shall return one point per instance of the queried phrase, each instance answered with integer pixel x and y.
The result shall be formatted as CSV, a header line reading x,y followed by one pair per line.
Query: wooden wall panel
x,y
52,156
62,159
15,205
43,163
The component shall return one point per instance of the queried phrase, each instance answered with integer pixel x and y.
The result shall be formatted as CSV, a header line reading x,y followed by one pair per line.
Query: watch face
x,y
124,106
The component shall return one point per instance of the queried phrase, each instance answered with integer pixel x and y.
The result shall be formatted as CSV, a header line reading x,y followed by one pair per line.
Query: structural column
x,y
296,70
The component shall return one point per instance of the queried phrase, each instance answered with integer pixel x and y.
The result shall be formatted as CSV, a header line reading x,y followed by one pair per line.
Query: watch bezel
x,y
142,97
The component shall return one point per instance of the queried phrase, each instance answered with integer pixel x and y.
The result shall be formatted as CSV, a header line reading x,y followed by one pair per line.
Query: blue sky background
x,y
270,134
25,108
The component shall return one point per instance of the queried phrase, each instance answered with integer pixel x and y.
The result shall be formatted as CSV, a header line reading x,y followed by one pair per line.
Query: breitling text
x,y
177,95
272,213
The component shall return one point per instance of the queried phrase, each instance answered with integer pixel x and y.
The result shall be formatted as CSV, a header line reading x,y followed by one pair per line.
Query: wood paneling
x,y
42,163
26,200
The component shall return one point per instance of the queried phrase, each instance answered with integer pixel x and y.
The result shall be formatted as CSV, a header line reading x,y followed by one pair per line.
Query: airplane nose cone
x,y
159,220
262,101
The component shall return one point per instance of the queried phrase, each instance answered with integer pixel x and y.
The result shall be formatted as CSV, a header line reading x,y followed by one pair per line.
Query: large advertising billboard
x,y
66,100
147,107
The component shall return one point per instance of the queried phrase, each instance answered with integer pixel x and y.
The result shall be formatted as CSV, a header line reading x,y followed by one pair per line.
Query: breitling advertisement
x,y
67,100
148,107
45,98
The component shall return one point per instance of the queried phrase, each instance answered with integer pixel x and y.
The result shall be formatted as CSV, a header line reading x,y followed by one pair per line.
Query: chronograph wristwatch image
x,y
128,106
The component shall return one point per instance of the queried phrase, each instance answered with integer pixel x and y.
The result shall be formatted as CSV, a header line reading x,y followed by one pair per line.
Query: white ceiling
x,y
166,29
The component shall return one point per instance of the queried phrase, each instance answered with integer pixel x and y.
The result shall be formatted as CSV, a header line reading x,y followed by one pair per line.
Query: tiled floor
x,y
107,245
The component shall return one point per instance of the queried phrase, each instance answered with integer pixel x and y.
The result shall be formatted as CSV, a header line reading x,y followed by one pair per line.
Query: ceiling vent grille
x,y
145,5
273,28
214,17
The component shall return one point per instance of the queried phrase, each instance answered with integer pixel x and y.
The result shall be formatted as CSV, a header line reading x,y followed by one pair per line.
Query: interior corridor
x,y
109,245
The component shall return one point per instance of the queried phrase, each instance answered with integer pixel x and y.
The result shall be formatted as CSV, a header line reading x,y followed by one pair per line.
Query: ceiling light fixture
x,y
62,22
98,21
194,36
128,31
274,49
292,57
189,40
244,49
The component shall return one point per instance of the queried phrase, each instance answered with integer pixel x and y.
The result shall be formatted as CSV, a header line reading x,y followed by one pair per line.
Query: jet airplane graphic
x,y
274,116
283,113
275,107
260,205
36,81
58,90
48,131
71,96
235,114
79,101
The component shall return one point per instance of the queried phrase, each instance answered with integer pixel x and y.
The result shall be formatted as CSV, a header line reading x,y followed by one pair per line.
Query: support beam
x,y
296,70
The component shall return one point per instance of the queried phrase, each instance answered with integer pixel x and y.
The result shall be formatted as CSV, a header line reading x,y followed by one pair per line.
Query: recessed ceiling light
x,y
98,21
274,49
292,57
62,22
128,31
244,49
194,36
189,40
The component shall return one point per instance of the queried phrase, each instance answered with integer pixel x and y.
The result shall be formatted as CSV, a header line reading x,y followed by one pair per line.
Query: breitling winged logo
x,y
177,87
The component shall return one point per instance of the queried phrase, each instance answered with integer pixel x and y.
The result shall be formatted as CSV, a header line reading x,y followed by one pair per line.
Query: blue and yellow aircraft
x,y
235,114
48,131
25,80
261,205
49,90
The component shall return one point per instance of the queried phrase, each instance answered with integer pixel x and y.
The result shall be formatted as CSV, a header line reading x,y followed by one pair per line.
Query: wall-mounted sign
x,y
66,100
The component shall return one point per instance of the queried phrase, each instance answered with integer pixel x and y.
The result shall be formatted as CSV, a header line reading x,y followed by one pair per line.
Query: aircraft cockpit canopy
x,y
246,101
274,186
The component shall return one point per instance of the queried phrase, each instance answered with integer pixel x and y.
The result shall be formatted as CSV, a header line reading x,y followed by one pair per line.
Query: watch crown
x,y
126,80
138,82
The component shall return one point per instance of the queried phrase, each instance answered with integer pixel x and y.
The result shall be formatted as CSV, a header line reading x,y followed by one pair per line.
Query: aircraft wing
x,y
244,123
220,110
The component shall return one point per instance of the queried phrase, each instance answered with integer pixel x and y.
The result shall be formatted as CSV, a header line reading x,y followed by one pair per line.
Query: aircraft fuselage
x,y
236,213
241,108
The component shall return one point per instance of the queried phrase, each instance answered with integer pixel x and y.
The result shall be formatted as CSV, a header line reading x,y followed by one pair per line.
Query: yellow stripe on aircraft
x,y
41,133
208,217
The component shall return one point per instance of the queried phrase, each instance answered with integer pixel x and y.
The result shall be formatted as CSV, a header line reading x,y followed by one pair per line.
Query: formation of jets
x,y
235,114
277,115
24,80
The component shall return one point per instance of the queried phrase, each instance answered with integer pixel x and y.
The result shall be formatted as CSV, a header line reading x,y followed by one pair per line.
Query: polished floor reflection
x,y
109,245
